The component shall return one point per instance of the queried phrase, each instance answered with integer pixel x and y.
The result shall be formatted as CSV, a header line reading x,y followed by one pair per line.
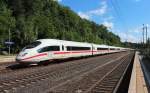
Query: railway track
x,y
3,67
12,66
69,77
109,81
100,80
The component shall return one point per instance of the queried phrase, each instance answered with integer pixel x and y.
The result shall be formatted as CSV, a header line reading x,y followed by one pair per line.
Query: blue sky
x,y
122,17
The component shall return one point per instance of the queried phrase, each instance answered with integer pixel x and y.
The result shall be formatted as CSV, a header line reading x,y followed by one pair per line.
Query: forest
x,y
29,20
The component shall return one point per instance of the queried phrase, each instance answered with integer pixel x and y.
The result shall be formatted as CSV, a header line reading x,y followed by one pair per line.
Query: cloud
x,y
84,15
109,18
95,12
132,38
100,11
136,30
109,25
128,37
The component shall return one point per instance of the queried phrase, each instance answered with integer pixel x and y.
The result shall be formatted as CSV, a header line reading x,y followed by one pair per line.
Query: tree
x,y
39,19
7,22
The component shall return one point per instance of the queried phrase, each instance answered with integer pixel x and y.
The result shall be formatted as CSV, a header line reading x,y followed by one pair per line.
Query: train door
x,y
108,49
48,50
63,51
50,55
93,49
51,50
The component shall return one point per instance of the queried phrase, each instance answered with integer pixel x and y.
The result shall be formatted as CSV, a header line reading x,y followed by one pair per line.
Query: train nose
x,y
21,56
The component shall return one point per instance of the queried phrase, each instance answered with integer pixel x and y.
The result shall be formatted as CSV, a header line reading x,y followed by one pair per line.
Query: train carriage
x,y
77,49
100,49
50,49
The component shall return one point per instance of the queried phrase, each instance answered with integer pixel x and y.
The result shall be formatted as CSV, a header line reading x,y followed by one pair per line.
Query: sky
x,y
122,17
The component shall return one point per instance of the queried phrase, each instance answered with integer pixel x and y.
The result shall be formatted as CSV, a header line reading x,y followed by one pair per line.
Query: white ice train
x,y
52,49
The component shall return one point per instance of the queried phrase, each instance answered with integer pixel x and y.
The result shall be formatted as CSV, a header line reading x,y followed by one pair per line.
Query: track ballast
x,y
96,74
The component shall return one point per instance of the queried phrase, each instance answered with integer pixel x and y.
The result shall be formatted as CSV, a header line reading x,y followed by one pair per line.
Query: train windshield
x,y
32,45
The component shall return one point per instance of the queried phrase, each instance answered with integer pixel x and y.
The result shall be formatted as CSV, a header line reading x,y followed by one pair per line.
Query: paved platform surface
x,y
137,82
4,59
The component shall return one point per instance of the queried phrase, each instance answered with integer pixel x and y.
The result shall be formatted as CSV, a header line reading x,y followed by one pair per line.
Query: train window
x,y
32,45
49,48
74,48
102,48
112,48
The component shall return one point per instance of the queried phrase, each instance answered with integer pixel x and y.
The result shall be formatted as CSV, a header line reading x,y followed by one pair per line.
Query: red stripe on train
x,y
73,52
44,54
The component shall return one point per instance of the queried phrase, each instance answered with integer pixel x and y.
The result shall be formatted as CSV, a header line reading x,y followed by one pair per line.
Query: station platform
x,y
137,81
4,59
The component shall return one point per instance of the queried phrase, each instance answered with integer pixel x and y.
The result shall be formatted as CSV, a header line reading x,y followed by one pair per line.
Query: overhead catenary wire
x,y
117,11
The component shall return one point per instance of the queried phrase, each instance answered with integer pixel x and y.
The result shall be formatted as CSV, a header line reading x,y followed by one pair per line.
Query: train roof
x,y
74,43
102,45
67,43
